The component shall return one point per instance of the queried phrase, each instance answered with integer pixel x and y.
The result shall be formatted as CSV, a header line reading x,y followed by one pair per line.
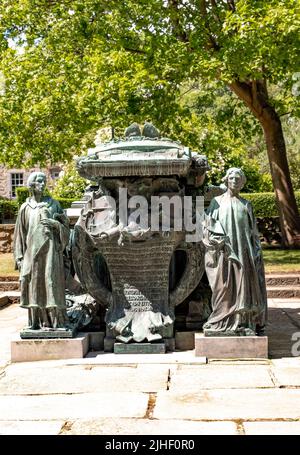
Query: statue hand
x,y
19,264
48,222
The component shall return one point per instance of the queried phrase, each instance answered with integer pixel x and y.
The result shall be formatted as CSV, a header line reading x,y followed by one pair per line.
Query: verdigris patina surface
x,y
234,263
139,274
41,235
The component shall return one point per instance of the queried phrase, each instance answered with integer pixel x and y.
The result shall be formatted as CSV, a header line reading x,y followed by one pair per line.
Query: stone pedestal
x,y
194,319
240,347
108,344
29,350
165,345
184,341
170,344
139,348
96,341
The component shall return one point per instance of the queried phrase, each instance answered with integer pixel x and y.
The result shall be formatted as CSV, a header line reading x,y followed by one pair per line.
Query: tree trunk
x,y
288,211
255,96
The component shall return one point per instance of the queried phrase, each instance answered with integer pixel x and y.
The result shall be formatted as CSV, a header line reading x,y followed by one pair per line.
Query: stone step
x,y
283,279
9,286
3,301
9,297
285,292
9,277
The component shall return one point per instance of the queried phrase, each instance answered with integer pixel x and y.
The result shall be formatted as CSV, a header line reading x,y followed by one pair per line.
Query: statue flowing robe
x,y
234,266
40,249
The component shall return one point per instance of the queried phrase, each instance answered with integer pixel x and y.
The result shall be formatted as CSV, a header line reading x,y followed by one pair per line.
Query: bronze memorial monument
x,y
145,258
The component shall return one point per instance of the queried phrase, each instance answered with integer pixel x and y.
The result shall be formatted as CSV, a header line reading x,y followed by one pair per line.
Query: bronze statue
x,y
41,235
234,264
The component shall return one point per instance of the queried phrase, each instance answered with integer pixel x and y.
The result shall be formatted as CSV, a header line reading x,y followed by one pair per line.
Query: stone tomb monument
x,y
138,254
131,267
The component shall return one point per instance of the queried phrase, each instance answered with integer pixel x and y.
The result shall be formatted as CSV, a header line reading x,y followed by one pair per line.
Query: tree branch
x,y
231,5
135,51
194,87
174,18
203,10
215,11
243,91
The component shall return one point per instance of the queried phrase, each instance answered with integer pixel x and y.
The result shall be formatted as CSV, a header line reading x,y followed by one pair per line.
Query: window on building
x,y
17,179
55,174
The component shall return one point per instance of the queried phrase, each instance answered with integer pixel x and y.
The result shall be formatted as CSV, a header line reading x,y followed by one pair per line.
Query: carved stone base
x,y
96,341
30,350
217,333
185,341
47,333
139,348
108,344
234,347
170,344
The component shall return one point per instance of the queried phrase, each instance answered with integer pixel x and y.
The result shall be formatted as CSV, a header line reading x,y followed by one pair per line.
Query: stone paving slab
x,y
149,427
230,404
286,303
272,428
12,319
102,358
286,362
239,362
78,406
3,365
30,427
287,376
44,380
220,377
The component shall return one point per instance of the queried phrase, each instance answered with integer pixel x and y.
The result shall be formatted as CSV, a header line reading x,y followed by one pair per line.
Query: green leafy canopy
x,y
71,67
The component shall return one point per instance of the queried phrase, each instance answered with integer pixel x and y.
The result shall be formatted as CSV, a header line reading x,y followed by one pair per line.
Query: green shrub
x,y
8,210
65,202
264,204
70,185
22,194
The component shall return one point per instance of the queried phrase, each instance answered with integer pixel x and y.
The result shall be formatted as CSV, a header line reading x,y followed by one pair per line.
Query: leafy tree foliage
x,y
71,67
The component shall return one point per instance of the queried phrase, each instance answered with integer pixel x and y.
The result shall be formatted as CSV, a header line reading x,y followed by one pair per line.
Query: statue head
x,y
37,182
234,179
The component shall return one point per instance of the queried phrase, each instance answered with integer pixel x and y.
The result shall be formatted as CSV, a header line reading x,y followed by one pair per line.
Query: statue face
x,y
235,181
39,184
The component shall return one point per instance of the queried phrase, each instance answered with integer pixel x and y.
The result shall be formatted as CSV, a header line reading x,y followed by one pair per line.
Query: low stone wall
x,y
6,237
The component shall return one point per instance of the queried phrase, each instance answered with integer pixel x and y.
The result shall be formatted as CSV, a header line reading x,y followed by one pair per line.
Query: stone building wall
x,y
5,177
6,237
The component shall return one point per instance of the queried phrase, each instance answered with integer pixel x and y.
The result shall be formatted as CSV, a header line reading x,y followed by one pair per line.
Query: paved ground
x,y
168,394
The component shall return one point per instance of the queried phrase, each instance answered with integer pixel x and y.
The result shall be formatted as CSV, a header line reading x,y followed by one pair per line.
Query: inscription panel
x,y
140,275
